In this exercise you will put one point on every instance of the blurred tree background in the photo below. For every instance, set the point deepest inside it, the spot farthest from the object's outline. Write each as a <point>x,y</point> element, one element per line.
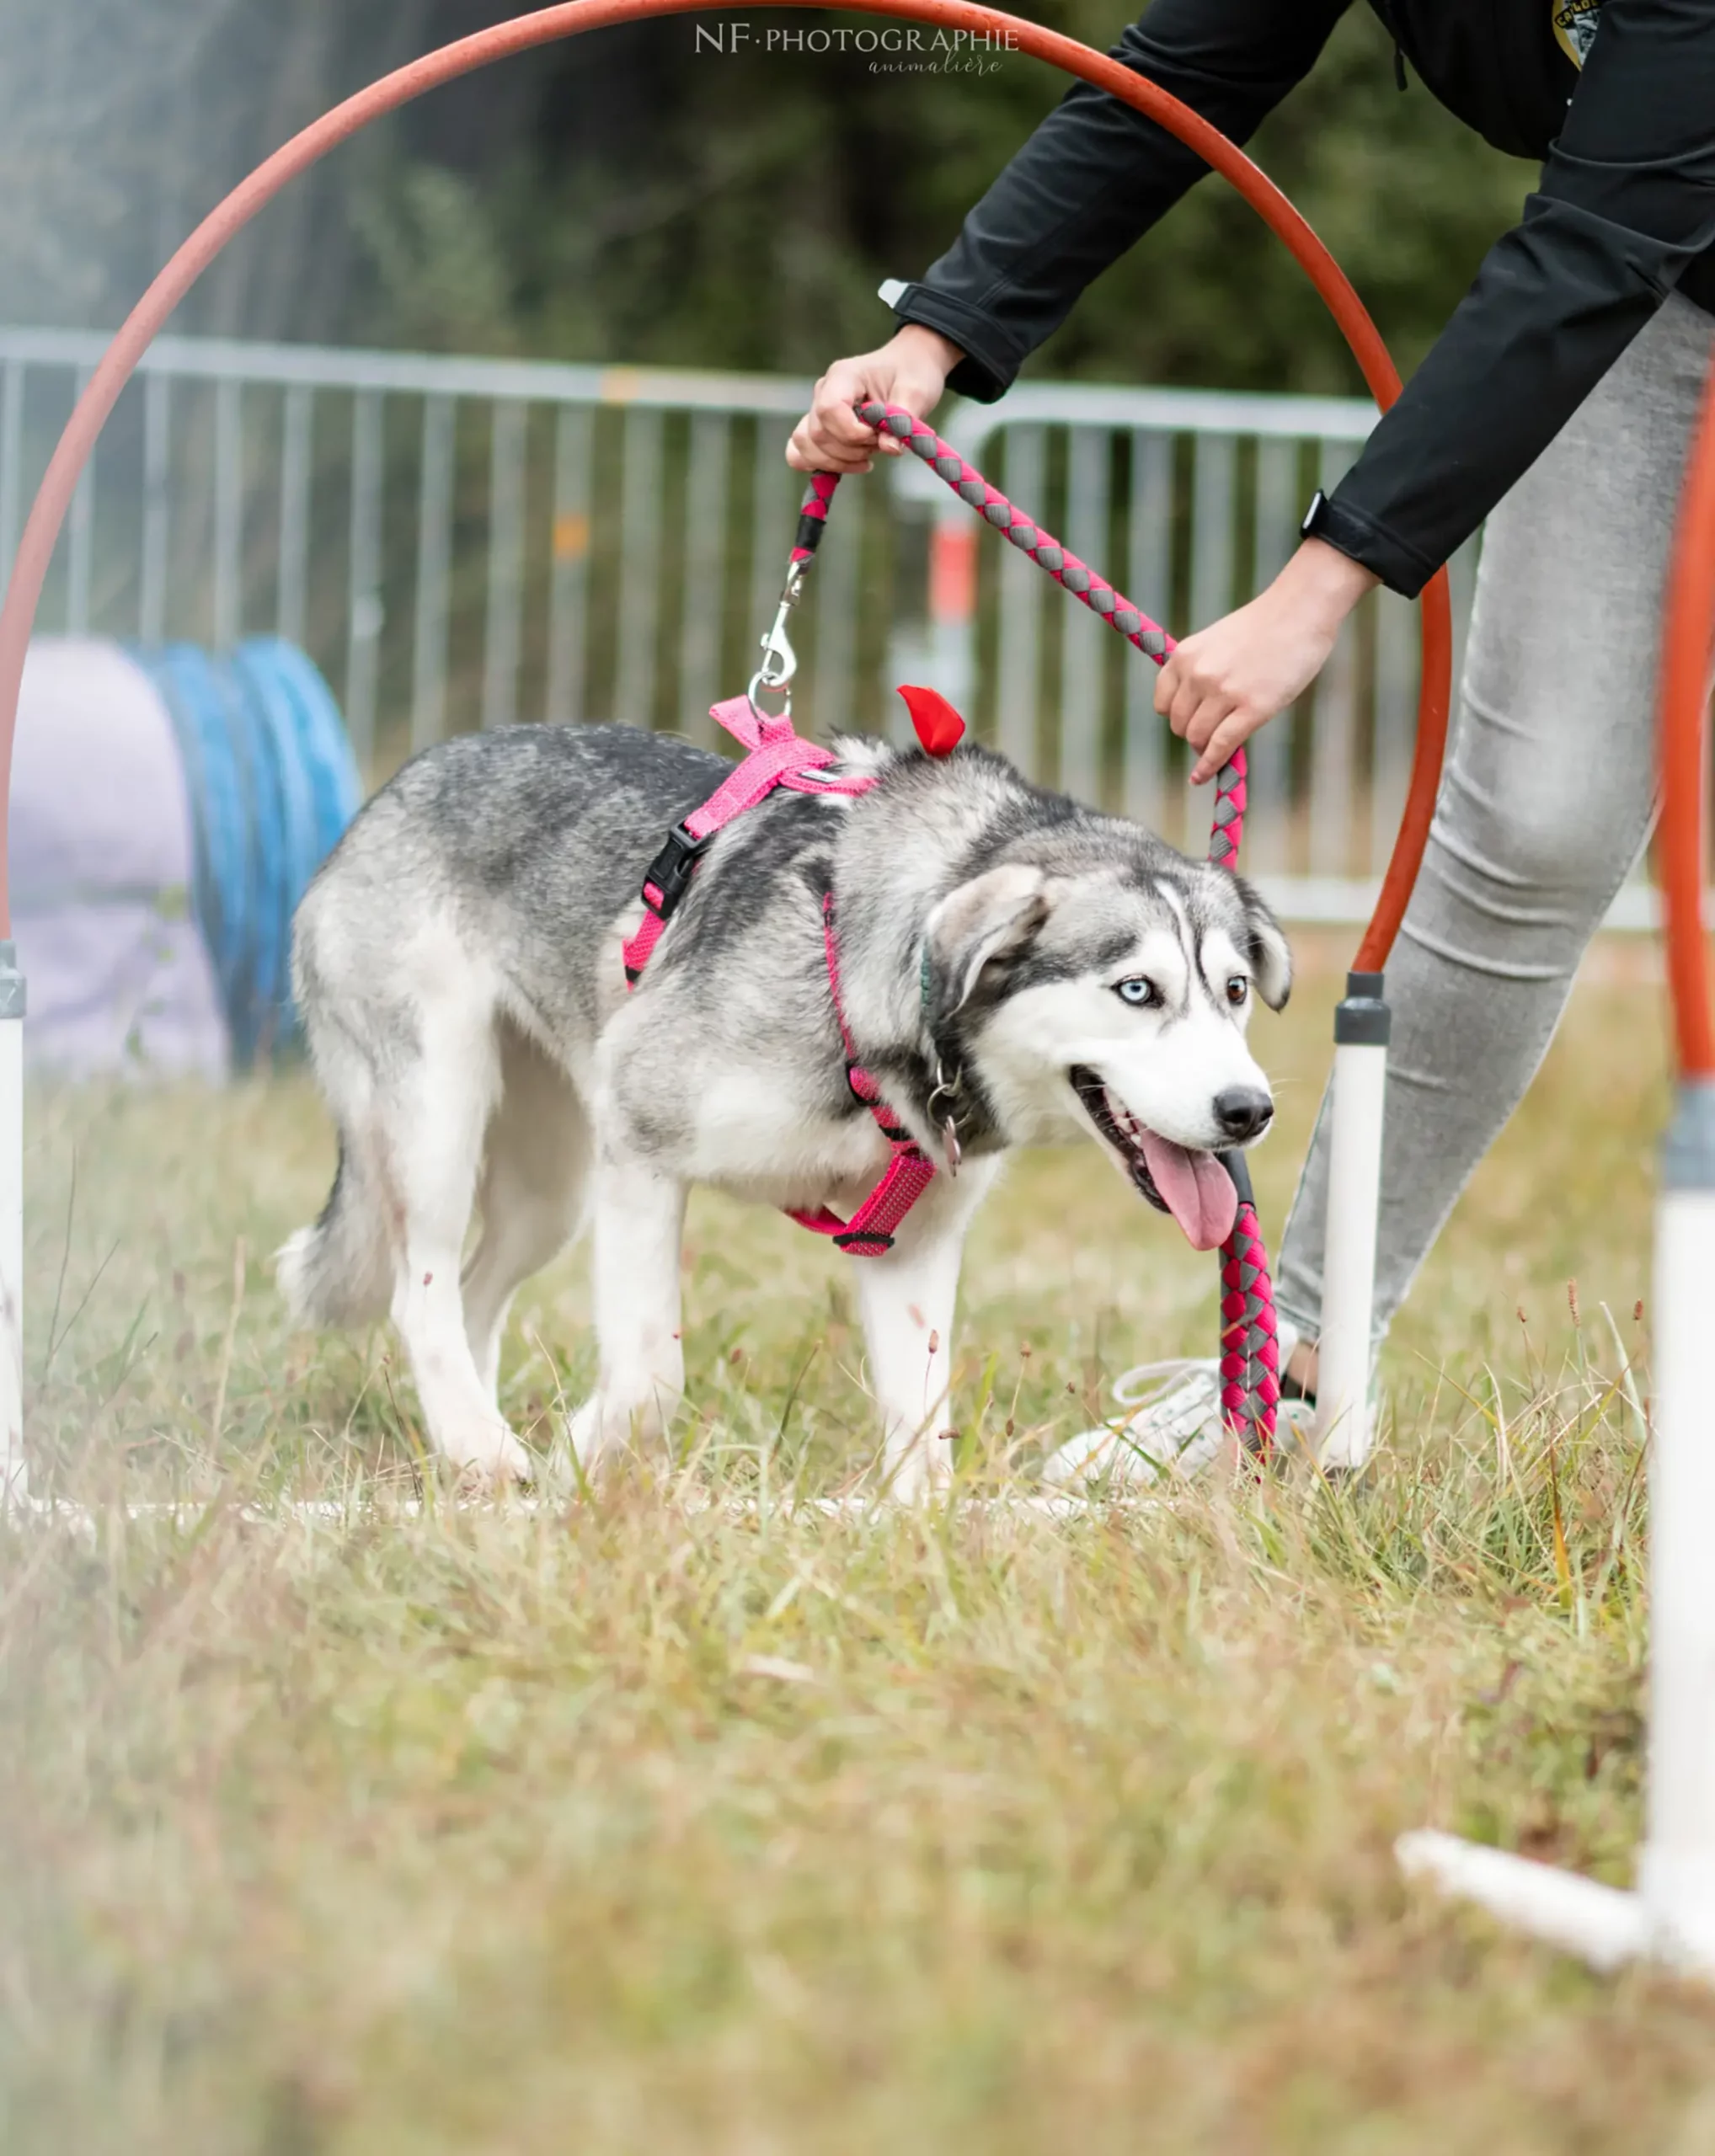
<point>629,197</point>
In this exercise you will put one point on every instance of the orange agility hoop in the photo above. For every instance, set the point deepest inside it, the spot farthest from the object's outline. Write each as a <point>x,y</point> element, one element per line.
<point>1687,635</point>
<point>547,26</point>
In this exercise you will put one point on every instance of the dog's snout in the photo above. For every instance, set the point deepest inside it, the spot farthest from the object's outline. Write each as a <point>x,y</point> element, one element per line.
<point>1242,1111</point>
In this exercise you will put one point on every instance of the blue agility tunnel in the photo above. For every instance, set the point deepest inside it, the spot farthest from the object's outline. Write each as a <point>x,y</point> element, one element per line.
<point>168,808</point>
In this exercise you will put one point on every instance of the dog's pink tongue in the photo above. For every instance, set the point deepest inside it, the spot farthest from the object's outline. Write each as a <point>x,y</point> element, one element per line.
<point>1197,1190</point>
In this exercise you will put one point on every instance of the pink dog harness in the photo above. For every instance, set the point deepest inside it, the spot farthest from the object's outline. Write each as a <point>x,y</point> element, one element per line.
<point>779,757</point>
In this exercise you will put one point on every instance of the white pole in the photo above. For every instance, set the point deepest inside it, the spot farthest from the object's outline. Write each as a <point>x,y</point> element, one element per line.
<point>1361,1026</point>
<point>1604,1925</point>
<point>14,1483</point>
<point>1676,1874</point>
<point>1672,1915</point>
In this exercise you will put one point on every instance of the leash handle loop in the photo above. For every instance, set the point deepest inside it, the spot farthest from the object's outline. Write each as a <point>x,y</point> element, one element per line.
<point>1085,585</point>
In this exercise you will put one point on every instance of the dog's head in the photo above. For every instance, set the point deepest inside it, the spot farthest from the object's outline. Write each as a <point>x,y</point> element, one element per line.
<point>1104,988</point>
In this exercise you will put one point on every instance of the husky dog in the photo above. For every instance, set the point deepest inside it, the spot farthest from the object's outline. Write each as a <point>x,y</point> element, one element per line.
<point>1015,970</point>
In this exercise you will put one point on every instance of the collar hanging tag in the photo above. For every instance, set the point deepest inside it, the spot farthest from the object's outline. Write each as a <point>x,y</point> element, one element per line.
<point>950,1151</point>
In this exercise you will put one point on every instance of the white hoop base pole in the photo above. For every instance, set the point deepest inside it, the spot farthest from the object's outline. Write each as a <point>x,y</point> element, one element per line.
<point>1362,1028</point>
<point>1676,1873</point>
<point>1603,1924</point>
<point>1671,1916</point>
<point>15,1481</point>
<point>13,1473</point>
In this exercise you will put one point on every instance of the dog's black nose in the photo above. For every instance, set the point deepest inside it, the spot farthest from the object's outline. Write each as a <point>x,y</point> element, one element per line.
<point>1241,1111</point>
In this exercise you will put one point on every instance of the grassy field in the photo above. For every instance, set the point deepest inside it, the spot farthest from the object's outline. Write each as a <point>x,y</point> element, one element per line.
<point>658,1825</point>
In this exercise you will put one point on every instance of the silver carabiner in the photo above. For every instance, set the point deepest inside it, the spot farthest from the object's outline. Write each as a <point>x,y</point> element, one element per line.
<point>779,660</point>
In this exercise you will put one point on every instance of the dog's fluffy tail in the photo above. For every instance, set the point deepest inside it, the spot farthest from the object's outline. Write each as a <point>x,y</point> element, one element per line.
<point>339,1272</point>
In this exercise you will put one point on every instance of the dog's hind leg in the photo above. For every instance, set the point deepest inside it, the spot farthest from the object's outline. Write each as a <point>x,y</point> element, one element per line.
<point>437,1109</point>
<point>907,1298</point>
<point>639,1220</point>
<point>535,1166</point>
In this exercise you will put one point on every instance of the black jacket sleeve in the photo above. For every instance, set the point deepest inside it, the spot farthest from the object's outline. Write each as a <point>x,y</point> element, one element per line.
<point>1627,202</point>
<point>1097,175</point>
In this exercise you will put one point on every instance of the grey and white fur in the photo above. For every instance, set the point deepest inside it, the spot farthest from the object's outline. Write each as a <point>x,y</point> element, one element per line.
<point>1056,973</point>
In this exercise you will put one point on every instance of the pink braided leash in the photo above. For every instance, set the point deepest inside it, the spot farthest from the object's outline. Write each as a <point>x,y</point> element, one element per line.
<point>1250,1346</point>
<point>1085,584</point>
<point>1250,1355</point>
<point>813,513</point>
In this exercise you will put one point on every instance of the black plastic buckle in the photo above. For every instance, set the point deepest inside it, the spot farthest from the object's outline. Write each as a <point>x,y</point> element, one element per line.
<point>863,1242</point>
<point>670,870</point>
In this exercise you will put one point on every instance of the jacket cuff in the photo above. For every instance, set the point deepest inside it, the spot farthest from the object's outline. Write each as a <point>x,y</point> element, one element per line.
<point>990,366</point>
<point>1338,522</point>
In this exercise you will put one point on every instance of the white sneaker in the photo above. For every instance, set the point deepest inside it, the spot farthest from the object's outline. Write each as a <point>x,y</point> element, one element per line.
<point>1175,1428</point>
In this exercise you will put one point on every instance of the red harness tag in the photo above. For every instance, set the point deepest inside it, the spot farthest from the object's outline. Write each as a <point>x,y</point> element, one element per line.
<point>939,726</point>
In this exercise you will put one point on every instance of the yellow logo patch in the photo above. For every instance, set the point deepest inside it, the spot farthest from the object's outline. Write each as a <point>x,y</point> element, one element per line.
<point>1575,26</point>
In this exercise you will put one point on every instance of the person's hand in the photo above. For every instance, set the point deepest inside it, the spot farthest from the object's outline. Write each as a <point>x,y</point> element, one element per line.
<point>910,369</point>
<point>1224,683</point>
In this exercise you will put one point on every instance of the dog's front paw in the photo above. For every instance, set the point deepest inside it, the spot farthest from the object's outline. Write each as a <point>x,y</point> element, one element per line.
<point>585,1438</point>
<point>605,1428</point>
<point>921,1471</point>
<point>489,1459</point>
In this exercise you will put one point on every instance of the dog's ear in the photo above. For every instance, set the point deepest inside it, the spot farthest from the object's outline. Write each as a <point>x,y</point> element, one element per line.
<point>1268,950</point>
<point>993,916</point>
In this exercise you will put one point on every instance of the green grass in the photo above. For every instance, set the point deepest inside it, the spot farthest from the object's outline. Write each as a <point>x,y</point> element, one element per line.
<point>652,1824</point>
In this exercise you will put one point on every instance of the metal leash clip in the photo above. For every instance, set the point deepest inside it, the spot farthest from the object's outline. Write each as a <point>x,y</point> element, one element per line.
<point>779,660</point>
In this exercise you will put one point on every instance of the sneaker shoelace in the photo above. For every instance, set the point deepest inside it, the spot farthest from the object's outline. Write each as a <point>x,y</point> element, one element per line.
<point>1147,1383</point>
<point>1152,1386</point>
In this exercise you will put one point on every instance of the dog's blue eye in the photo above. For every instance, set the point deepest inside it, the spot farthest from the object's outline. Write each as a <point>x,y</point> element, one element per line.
<point>1137,990</point>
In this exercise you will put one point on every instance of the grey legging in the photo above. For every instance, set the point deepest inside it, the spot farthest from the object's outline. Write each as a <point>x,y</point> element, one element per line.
<point>1545,805</point>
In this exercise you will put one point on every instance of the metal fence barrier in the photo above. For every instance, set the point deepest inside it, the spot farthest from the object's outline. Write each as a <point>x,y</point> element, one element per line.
<point>466,541</point>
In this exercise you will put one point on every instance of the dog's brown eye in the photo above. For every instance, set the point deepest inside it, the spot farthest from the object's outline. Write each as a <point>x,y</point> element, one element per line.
<point>1138,992</point>
<point>1236,991</point>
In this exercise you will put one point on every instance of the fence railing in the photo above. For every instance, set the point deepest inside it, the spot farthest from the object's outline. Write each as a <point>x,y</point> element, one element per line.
<point>467,541</point>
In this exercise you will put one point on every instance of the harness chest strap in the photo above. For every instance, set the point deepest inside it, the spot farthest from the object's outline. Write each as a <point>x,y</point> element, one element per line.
<point>780,757</point>
<point>908,1172</point>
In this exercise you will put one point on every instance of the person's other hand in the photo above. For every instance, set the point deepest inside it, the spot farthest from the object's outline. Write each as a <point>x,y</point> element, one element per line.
<point>1224,683</point>
<point>910,369</point>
